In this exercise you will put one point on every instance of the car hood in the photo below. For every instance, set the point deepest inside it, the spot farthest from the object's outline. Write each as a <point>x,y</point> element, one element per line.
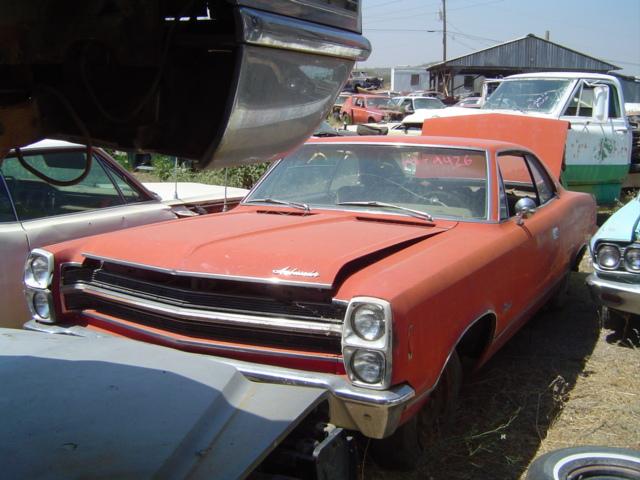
<point>622,226</point>
<point>274,245</point>
<point>107,407</point>
<point>545,137</point>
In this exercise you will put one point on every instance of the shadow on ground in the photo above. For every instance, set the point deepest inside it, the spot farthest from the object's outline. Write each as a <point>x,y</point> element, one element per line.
<point>506,408</point>
<point>625,329</point>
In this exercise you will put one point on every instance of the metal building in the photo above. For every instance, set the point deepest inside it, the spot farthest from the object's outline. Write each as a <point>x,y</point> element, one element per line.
<point>407,79</point>
<point>523,55</point>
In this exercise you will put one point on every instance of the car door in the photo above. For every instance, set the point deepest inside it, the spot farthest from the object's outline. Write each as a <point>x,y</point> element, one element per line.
<point>598,147</point>
<point>359,110</point>
<point>13,251</point>
<point>534,261</point>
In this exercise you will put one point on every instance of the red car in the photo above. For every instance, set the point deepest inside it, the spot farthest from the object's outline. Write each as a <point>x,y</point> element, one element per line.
<point>369,109</point>
<point>372,267</point>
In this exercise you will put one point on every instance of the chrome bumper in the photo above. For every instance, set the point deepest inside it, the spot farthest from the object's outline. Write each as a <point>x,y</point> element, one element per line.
<point>375,413</point>
<point>616,295</point>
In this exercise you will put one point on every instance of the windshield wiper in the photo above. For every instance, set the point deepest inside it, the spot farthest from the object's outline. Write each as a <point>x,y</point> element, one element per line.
<point>300,205</point>
<point>410,211</point>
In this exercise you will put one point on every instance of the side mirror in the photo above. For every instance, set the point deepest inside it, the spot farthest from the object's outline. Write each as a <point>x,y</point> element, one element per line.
<point>601,103</point>
<point>525,207</point>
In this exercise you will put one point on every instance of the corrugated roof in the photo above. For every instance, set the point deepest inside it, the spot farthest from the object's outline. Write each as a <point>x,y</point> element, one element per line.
<point>527,53</point>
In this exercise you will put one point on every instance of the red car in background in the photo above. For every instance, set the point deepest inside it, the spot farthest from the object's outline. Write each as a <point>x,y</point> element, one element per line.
<point>369,109</point>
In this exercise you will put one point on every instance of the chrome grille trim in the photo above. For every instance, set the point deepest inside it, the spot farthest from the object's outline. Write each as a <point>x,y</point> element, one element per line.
<point>250,321</point>
<point>214,347</point>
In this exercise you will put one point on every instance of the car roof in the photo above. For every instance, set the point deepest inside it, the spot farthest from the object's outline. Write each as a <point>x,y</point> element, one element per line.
<point>437,141</point>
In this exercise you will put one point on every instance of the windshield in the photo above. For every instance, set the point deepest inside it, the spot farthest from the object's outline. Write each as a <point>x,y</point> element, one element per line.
<point>532,94</point>
<point>379,102</point>
<point>429,103</point>
<point>442,182</point>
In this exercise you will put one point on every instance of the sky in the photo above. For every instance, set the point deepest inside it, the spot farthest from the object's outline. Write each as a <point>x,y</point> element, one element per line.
<point>397,29</point>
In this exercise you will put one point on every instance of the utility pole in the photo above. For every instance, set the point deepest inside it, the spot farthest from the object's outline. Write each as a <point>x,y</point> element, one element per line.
<point>444,30</point>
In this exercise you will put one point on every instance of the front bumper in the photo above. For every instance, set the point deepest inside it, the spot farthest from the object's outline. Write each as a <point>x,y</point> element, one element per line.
<point>616,295</point>
<point>375,413</point>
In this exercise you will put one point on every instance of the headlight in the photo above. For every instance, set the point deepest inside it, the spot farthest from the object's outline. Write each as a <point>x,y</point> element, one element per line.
<point>368,321</point>
<point>608,256</point>
<point>368,366</point>
<point>41,305</point>
<point>367,343</point>
<point>632,259</point>
<point>38,269</point>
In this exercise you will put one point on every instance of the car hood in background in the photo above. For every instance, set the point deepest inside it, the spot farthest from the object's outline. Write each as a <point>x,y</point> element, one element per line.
<point>107,407</point>
<point>622,226</point>
<point>545,137</point>
<point>270,245</point>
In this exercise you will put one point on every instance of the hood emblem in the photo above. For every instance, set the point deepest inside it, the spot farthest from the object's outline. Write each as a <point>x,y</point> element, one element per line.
<point>294,272</point>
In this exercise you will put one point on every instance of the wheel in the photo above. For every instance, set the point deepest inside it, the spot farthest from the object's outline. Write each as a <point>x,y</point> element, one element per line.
<point>405,448</point>
<point>371,120</point>
<point>346,119</point>
<point>586,462</point>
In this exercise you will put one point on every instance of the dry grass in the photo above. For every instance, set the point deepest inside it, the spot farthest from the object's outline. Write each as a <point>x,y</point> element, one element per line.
<point>563,380</point>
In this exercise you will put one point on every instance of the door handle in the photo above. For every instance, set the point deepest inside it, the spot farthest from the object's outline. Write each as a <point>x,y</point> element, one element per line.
<point>621,130</point>
<point>555,233</point>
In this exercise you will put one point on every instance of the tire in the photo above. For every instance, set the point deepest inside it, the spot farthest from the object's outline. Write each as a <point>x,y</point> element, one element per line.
<point>346,119</point>
<point>585,463</point>
<point>371,120</point>
<point>405,448</point>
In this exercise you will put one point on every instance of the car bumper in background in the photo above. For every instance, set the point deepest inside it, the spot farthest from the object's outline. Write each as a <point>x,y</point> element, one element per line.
<point>616,295</point>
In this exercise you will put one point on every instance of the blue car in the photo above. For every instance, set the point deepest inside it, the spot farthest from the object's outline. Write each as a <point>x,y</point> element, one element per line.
<point>615,250</point>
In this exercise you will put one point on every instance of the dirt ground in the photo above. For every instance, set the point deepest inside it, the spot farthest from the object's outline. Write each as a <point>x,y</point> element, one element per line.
<point>564,380</point>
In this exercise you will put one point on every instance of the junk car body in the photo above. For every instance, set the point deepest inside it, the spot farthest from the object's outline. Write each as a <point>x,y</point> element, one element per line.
<point>369,109</point>
<point>364,265</point>
<point>615,251</point>
<point>121,409</point>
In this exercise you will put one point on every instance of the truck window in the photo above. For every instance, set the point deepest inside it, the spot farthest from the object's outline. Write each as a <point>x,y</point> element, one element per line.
<point>614,104</point>
<point>581,105</point>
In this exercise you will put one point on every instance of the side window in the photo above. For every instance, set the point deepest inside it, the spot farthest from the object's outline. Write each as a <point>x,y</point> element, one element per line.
<point>6,211</point>
<point>614,104</point>
<point>34,198</point>
<point>544,185</point>
<point>130,192</point>
<point>522,176</point>
<point>581,105</point>
<point>359,102</point>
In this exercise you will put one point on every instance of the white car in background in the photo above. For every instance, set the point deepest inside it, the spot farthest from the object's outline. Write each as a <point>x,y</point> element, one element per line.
<point>49,194</point>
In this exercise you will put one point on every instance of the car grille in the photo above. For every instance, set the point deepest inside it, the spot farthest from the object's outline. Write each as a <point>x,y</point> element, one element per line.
<point>317,319</point>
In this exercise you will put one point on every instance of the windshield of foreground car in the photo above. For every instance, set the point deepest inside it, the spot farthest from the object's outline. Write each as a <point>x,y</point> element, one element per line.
<point>528,95</point>
<point>386,178</point>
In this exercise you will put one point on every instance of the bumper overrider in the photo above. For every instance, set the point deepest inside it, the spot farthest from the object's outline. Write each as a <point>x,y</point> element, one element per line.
<point>362,400</point>
<point>620,296</point>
